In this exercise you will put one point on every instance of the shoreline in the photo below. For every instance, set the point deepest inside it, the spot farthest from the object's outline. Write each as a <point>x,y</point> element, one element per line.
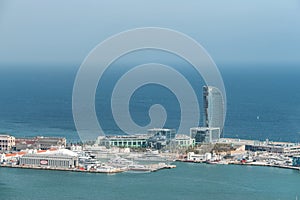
<point>154,170</point>
<point>245,164</point>
<point>267,165</point>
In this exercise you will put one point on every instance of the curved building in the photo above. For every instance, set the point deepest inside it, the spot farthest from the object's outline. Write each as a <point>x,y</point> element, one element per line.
<point>213,108</point>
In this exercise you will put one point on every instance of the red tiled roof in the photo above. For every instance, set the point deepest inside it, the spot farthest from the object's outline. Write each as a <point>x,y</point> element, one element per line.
<point>15,154</point>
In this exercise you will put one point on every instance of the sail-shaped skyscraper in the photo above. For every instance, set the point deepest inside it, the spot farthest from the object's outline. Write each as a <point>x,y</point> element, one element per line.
<point>214,109</point>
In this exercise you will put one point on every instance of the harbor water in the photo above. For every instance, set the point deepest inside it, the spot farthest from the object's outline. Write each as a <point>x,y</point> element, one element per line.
<point>37,102</point>
<point>187,181</point>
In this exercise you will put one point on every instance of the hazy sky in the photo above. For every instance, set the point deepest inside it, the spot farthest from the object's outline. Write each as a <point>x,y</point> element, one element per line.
<point>56,31</point>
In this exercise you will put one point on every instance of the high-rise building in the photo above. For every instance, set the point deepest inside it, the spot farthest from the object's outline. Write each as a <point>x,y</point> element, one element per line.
<point>214,109</point>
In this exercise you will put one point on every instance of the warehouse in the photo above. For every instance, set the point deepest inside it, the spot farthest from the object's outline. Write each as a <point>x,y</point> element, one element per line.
<point>51,160</point>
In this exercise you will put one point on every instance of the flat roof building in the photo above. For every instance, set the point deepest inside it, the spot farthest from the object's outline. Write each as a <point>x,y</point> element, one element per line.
<point>133,141</point>
<point>50,142</point>
<point>58,160</point>
<point>43,143</point>
<point>184,141</point>
<point>205,134</point>
<point>6,142</point>
<point>164,133</point>
<point>161,137</point>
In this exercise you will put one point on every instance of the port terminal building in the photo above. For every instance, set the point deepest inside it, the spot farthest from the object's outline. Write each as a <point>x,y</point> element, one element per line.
<point>156,138</point>
<point>58,159</point>
<point>132,141</point>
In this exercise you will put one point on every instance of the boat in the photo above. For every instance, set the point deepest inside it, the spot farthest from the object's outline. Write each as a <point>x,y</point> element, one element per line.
<point>141,168</point>
<point>108,169</point>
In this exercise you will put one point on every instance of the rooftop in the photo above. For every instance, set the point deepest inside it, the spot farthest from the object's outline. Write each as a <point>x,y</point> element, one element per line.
<point>182,136</point>
<point>204,128</point>
<point>2,135</point>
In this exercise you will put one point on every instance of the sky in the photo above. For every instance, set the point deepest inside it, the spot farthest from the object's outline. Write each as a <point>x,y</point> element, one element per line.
<point>233,32</point>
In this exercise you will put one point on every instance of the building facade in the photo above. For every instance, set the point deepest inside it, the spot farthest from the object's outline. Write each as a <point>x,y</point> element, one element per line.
<point>43,143</point>
<point>160,137</point>
<point>296,161</point>
<point>184,141</point>
<point>167,134</point>
<point>205,134</point>
<point>267,148</point>
<point>6,142</point>
<point>214,108</point>
<point>50,142</point>
<point>132,141</point>
<point>51,160</point>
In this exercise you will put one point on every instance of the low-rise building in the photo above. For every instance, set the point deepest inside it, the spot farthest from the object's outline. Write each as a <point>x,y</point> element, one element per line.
<point>267,148</point>
<point>292,150</point>
<point>163,133</point>
<point>275,147</point>
<point>205,134</point>
<point>182,140</point>
<point>43,143</point>
<point>161,137</point>
<point>6,142</point>
<point>65,159</point>
<point>191,156</point>
<point>11,157</point>
<point>50,142</point>
<point>132,141</point>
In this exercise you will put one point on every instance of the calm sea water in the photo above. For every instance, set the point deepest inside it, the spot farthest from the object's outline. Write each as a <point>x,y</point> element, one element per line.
<point>187,181</point>
<point>38,101</point>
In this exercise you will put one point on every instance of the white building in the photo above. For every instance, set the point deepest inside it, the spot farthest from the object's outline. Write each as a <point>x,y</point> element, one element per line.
<point>61,158</point>
<point>132,141</point>
<point>182,140</point>
<point>6,142</point>
<point>191,156</point>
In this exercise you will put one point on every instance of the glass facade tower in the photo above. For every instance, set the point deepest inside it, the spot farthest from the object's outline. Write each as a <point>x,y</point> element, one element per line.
<point>213,107</point>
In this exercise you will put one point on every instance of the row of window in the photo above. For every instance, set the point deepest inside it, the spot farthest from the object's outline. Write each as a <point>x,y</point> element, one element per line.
<point>6,141</point>
<point>143,143</point>
<point>128,143</point>
<point>47,162</point>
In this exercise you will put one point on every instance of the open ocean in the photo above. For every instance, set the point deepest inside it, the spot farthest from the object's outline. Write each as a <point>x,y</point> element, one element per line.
<point>38,101</point>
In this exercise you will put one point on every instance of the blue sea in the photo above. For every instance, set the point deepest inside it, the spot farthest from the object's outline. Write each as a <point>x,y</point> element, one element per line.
<point>37,100</point>
<point>187,181</point>
<point>263,101</point>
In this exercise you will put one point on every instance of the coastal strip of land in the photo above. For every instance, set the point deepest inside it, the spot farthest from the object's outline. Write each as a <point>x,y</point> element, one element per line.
<point>56,154</point>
